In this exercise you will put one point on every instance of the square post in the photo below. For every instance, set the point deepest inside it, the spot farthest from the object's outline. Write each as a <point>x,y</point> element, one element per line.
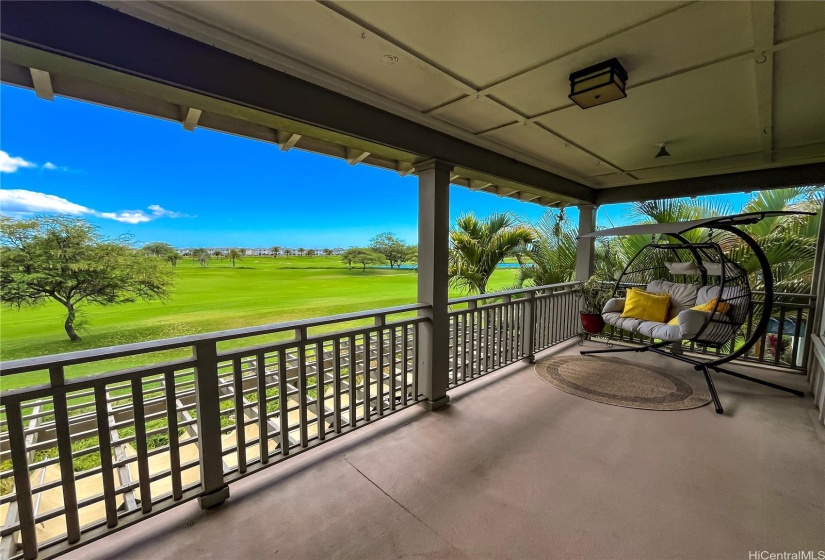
<point>215,490</point>
<point>585,250</point>
<point>433,279</point>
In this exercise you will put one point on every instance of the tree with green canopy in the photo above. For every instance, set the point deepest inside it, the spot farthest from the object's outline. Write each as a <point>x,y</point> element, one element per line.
<point>362,256</point>
<point>66,260</point>
<point>393,249</point>
<point>276,250</point>
<point>477,246</point>
<point>162,250</point>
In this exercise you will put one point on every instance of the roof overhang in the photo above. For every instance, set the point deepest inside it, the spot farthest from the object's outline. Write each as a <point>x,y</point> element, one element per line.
<point>94,53</point>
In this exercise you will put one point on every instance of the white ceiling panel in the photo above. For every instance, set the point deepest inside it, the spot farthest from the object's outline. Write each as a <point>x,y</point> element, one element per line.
<point>483,42</point>
<point>477,114</point>
<point>690,37</point>
<point>799,93</point>
<point>317,36</point>
<point>701,117</point>
<point>534,141</point>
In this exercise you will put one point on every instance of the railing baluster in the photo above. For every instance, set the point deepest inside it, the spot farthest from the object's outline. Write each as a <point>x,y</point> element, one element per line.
<point>453,373</point>
<point>415,362</point>
<point>779,332</point>
<point>283,402</point>
<point>352,385</point>
<point>366,375</point>
<point>302,387</point>
<point>263,420</point>
<point>105,445</point>
<point>405,356</point>
<point>174,439</point>
<point>64,449</point>
<point>240,430</point>
<point>320,404</point>
<point>141,447</point>
<point>379,340</point>
<point>336,382</point>
<point>22,483</point>
<point>795,346</point>
<point>392,368</point>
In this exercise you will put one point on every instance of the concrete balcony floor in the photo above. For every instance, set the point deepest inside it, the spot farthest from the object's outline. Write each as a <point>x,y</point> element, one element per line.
<point>514,468</point>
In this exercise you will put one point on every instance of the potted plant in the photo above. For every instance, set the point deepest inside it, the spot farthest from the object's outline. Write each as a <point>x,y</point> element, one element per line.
<point>592,297</point>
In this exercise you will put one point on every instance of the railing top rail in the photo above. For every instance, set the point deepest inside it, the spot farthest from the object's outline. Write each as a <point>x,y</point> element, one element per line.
<point>785,294</point>
<point>517,291</point>
<point>97,354</point>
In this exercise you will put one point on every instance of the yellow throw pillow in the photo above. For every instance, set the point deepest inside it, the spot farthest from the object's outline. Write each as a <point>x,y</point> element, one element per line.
<point>707,308</point>
<point>646,306</point>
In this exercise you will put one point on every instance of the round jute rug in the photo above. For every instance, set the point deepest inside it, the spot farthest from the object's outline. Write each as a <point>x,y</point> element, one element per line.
<point>623,383</point>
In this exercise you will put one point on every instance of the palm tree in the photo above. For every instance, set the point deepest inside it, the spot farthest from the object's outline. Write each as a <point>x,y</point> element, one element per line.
<point>217,253</point>
<point>301,251</point>
<point>478,246</point>
<point>201,255</point>
<point>234,254</point>
<point>552,253</point>
<point>327,252</point>
<point>275,251</point>
<point>288,252</point>
<point>311,252</point>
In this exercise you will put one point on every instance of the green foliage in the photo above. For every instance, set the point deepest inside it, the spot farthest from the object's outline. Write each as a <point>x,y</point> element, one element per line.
<point>66,260</point>
<point>393,249</point>
<point>552,253</point>
<point>478,246</point>
<point>362,256</point>
<point>592,294</point>
<point>234,255</point>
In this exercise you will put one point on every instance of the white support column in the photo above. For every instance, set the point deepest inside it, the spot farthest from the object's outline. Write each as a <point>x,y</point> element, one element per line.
<point>433,256</point>
<point>585,251</point>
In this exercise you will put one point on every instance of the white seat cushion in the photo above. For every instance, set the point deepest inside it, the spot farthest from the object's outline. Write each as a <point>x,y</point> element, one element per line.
<point>682,296</point>
<point>626,323</point>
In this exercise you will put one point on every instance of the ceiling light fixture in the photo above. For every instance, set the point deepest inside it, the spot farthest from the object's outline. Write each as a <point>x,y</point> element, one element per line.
<point>598,84</point>
<point>662,151</point>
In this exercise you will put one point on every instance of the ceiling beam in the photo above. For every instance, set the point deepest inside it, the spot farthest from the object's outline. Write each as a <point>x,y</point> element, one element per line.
<point>286,140</point>
<point>354,157</point>
<point>762,17</point>
<point>404,168</point>
<point>743,181</point>
<point>476,185</point>
<point>179,62</point>
<point>528,197</point>
<point>504,191</point>
<point>190,120</point>
<point>42,84</point>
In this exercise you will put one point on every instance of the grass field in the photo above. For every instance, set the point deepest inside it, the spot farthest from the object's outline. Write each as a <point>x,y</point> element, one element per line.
<point>258,291</point>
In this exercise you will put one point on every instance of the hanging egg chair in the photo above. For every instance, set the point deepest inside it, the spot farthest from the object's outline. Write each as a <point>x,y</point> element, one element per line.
<point>684,292</point>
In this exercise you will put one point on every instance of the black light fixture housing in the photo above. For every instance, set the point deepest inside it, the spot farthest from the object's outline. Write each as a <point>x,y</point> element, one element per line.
<point>598,84</point>
<point>663,153</point>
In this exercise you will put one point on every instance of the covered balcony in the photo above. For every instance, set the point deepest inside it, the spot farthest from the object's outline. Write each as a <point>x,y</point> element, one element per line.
<point>212,442</point>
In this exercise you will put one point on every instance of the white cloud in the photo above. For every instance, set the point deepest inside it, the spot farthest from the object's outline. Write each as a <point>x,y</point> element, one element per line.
<point>128,216</point>
<point>20,201</point>
<point>50,166</point>
<point>160,212</point>
<point>28,202</point>
<point>10,164</point>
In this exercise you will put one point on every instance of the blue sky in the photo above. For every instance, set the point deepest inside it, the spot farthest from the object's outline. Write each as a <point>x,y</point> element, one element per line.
<point>128,173</point>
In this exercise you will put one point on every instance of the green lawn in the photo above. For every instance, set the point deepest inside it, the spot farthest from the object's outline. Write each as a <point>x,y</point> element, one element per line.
<point>258,291</point>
